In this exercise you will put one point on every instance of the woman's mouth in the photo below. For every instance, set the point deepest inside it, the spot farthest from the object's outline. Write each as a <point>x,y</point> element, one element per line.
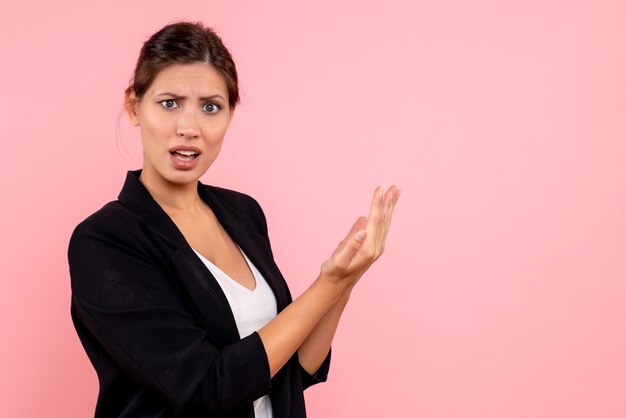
<point>184,158</point>
<point>184,155</point>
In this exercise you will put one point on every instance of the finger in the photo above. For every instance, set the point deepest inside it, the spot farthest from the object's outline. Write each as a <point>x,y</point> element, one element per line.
<point>359,224</point>
<point>391,198</point>
<point>350,245</point>
<point>375,217</point>
<point>369,250</point>
<point>386,209</point>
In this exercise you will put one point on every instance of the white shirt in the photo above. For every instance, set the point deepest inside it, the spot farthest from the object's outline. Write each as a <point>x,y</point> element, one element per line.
<point>252,310</point>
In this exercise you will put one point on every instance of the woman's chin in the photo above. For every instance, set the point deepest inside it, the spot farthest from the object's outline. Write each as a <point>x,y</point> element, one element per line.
<point>182,177</point>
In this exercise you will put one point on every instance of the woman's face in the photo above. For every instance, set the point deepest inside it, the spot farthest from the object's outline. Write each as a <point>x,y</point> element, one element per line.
<point>183,118</point>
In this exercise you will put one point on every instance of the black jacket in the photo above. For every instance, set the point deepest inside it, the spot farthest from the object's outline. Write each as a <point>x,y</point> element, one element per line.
<point>157,326</point>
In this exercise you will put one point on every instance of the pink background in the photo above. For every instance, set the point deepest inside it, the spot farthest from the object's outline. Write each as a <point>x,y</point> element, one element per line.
<point>503,289</point>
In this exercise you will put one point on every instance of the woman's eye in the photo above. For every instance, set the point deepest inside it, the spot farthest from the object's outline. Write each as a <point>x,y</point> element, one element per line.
<point>210,107</point>
<point>169,103</point>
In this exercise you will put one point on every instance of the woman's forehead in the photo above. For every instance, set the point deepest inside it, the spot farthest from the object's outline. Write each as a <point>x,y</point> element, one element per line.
<point>197,79</point>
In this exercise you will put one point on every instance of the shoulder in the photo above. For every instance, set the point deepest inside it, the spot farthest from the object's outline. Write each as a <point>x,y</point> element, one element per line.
<point>112,218</point>
<point>112,229</point>
<point>112,254</point>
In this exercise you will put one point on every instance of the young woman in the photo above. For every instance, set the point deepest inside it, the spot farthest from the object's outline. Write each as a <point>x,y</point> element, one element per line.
<point>175,294</point>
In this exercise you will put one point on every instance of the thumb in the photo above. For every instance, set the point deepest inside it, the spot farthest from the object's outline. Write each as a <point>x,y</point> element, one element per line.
<point>348,247</point>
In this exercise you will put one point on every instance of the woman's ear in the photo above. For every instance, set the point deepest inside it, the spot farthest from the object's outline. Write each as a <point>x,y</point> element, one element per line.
<point>130,106</point>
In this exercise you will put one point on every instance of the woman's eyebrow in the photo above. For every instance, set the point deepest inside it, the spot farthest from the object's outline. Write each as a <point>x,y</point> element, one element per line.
<point>167,93</point>
<point>214,96</point>
<point>177,96</point>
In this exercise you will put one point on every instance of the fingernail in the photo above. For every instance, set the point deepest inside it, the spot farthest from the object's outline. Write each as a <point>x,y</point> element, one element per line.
<point>360,236</point>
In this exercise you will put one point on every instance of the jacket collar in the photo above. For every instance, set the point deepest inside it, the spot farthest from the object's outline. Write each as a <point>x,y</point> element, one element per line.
<point>138,199</point>
<point>135,197</point>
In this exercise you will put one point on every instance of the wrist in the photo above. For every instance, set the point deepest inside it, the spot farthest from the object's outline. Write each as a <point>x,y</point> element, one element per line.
<point>335,287</point>
<point>347,292</point>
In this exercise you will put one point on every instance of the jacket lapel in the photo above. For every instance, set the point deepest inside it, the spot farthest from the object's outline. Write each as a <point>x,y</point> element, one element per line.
<point>192,275</point>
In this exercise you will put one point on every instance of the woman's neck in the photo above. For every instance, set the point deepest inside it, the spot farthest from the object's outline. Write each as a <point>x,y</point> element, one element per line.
<point>172,197</point>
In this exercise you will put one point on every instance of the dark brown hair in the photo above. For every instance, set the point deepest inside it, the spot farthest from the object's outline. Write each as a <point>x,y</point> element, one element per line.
<point>184,43</point>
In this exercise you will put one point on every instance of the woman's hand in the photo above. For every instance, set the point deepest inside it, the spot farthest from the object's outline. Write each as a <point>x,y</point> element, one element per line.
<point>364,243</point>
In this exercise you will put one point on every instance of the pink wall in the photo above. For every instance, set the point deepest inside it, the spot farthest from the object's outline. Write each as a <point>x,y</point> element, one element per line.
<point>503,291</point>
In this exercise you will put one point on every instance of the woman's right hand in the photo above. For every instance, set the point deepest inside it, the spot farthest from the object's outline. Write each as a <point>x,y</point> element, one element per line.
<point>365,242</point>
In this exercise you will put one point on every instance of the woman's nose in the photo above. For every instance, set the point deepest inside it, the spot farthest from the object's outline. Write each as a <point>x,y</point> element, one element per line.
<point>187,125</point>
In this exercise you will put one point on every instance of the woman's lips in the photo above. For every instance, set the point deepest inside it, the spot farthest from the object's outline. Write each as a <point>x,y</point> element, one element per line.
<point>184,159</point>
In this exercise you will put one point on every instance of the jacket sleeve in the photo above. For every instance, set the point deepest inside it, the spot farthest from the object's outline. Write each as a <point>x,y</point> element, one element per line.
<point>321,375</point>
<point>128,302</point>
